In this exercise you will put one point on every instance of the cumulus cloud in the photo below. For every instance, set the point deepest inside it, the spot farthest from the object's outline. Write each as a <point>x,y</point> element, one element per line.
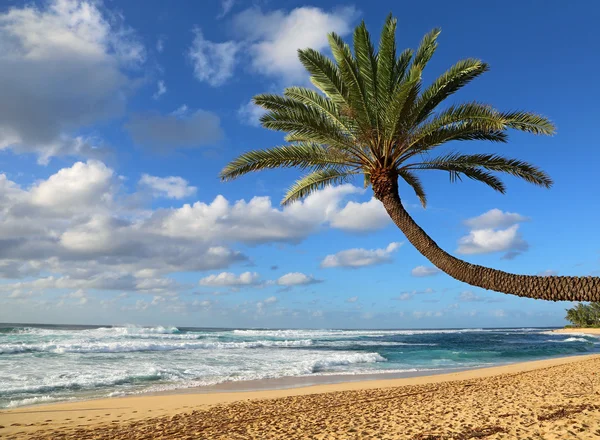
<point>270,300</point>
<point>296,279</point>
<point>352,299</point>
<point>359,217</point>
<point>423,271</point>
<point>180,129</point>
<point>82,185</point>
<point>172,187</point>
<point>274,37</point>
<point>270,40</point>
<point>77,229</point>
<point>257,220</point>
<point>361,257</point>
<point>64,42</point>
<point>494,219</point>
<point>228,279</point>
<point>213,62</point>
<point>487,235</point>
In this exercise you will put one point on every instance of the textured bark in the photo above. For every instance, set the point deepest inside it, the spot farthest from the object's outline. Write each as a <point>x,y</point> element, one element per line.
<point>553,288</point>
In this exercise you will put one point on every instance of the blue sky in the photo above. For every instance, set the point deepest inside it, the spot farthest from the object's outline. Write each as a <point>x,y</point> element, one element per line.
<point>116,117</point>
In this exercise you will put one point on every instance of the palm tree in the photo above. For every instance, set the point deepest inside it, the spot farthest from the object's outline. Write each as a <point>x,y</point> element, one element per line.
<point>374,117</point>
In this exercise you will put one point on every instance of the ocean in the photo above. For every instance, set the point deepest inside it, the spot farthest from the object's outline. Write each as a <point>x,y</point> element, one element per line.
<point>49,363</point>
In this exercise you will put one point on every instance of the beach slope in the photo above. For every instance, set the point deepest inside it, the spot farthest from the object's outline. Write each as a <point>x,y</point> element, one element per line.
<point>550,399</point>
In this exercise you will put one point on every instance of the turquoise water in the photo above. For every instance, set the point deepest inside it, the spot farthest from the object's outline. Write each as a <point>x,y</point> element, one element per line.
<point>52,363</point>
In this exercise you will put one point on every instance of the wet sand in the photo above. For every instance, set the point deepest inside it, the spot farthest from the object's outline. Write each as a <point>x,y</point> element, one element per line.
<point>549,399</point>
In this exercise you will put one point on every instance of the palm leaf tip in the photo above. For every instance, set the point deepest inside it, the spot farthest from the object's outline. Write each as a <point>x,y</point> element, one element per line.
<point>529,122</point>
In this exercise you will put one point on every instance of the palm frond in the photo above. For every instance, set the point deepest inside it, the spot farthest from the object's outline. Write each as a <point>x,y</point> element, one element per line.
<point>490,162</point>
<point>465,131</point>
<point>401,67</point>
<point>308,123</point>
<point>358,101</point>
<point>386,59</point>
<point>303,155</point>
<point>457,171</point>
<point>426,48</point>
<point>325,75</point>
<point>313,182</point>
<point>416,185</point>
<point>366,62</point>
<point>323,105</point>
<point>397,109</point>
<point>529,122</point>
<point>448,83</point>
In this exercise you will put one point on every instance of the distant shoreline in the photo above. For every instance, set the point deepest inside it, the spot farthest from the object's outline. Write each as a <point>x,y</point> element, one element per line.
<point>584,331</point>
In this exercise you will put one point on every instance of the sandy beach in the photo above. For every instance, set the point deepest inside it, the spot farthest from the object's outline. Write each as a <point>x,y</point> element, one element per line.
<point>549,399</point>
<point>578,331</point>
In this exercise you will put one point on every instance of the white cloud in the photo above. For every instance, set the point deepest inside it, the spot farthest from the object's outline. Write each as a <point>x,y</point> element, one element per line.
<point>66,42</point>
<point>548,273</point>
<point>160,44</point>
<point>84,184</point>
<point>270,300</point>
<point>499,313</point>
<point>226,6</point>
<point>405,296</point>
<point>358,217</point>
<point>494,219</point>
<point>171,187</point>
<point>352,299</point>
<point>468,296</point>
<point>361,257</point>
<point>250,114</point>
<point>213,62</point>
<point>427,314</point>
<point>161,89</point>
<point>296,279</point>
<point>423,271</point>
<point>255,221</point>
<point>276,36</point>
<point>485,241</point>
<point>81,229</point>
<point>494,231</point>
<point>228,279</point>
<point>180,129</point>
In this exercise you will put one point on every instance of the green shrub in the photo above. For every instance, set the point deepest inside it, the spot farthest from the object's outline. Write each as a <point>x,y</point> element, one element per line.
<point>584,315</point>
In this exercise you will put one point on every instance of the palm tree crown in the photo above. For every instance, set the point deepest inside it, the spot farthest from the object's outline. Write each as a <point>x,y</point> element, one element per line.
<point>373,116</point>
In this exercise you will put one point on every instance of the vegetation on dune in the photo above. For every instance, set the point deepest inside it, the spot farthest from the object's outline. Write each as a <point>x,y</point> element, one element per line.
<point>584,315</point>
<point>374,117</point>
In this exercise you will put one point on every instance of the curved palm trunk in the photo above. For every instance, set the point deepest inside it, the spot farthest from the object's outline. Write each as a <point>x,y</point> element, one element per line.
<point>554,288</point>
